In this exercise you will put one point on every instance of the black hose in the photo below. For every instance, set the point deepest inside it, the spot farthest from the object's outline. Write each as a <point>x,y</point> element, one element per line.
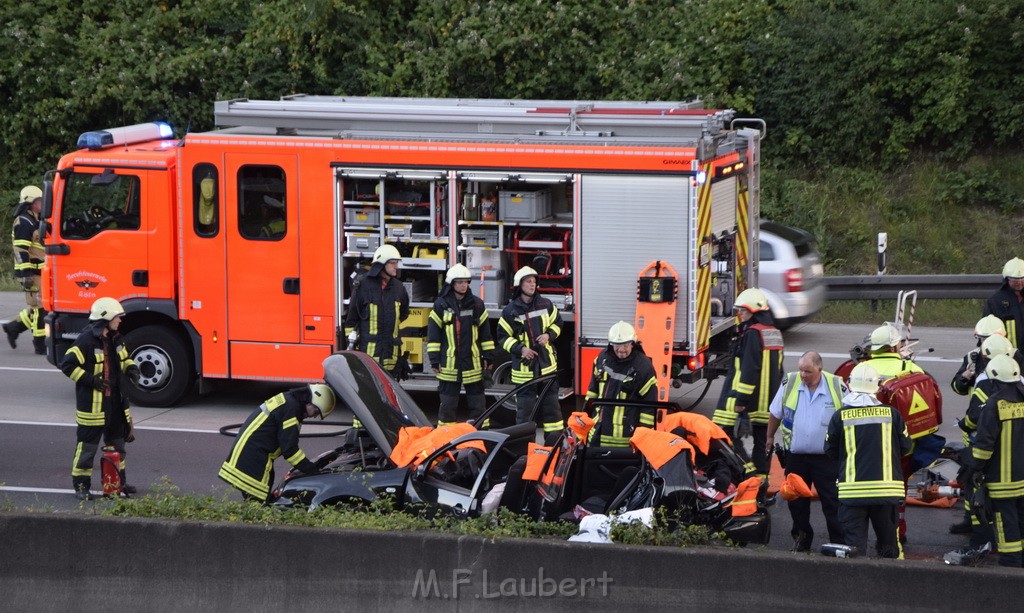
<point>232,430</point>
<point>707,386</point>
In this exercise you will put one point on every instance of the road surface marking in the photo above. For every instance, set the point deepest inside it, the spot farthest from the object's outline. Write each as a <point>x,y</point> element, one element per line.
<point>66,425</point>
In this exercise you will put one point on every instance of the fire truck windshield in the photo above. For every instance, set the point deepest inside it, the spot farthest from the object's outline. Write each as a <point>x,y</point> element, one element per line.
<point>92,206</point>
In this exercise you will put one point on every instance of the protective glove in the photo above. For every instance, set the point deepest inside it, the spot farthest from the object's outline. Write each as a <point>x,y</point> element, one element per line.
<point>99,384</point>
<point>353,336</point>
<point>133,373</point>
<point>306,467</point>
<point>130,436</point>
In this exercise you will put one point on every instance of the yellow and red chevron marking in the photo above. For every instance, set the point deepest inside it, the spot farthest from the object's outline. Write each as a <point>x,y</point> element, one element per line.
<point>742,241</point>
<point>703,327</point>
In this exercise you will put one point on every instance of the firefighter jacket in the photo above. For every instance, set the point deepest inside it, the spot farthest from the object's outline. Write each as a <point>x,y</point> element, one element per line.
<point>962,385</point>
<point>999,442</point>
<point>630,379</point>
<point>834,389</point>
<point>459,337</point>
<point>890,364</point>
<point>980,393</point>
<point>1005,305</point>
<point>520,325</point>
<point>269,432</point>
<point>868,439</point>
<point>28,246</point>
<point>375,311</point>
<point>91,359</point>
<point>755,373</point>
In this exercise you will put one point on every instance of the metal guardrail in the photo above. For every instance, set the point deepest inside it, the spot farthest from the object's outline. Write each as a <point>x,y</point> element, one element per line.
<point>885,287</point>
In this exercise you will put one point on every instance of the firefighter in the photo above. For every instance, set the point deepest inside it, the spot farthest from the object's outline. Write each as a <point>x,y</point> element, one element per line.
<point>528,326</point>
<point>459,345</point>
<point>868,438</point>
<point>376,310</point>
<point>971,367</point>
<point>1008,302</point>
<point>998,457</point>
<point>622,371</point>
<point>28,266</point>
<point>99,365</point>
<point>754,376</point>
<point>271,431</point>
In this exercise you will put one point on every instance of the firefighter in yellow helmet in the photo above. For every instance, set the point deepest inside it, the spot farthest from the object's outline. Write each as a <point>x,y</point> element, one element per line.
<point>99,365</point>
<point>459,345</point>
<point>28,266</point>
<point>528,326</point>
<point>272,431</point>
<point>622,371</point>
<point>377,308</point>
<point>755,374</point>
<point>1008,302</point>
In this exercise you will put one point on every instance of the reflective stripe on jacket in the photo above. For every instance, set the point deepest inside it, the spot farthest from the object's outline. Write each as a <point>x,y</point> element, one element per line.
<point>520,325</point>
<point>755,373</point>
<point>459,337</point>
<point>84,362</point>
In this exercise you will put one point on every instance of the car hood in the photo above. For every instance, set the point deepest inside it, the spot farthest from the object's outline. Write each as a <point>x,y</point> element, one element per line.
<point>373,396</point>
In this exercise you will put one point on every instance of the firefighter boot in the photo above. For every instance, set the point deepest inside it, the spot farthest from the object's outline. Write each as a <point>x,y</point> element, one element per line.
<point>125,488</point>
<point>39,342</point>
<point>82,485</point>
<point>13,329</point>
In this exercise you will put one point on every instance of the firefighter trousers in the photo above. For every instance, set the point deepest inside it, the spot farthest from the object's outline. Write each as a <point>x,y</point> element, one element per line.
<point>1009,520</point>
<point>882,517</point>
<point>85,451</point>
<point>548,413</point>
<point>449,394</point>
<point>820,471</point>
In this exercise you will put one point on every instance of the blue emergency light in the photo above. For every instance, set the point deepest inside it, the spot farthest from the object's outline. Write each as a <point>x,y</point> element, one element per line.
<point>139,133</point>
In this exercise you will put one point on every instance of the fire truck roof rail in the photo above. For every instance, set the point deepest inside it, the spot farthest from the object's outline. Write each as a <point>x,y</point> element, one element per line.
<point>460,117</point>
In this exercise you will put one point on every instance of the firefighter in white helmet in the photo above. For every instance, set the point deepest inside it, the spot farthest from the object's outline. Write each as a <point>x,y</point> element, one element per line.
<point>973,364</point>
<point>459,345</point>
<point>272,431</point>
<point>527,329</point>
<point>99,365</point>
<point>755,373</point>
<point>28,266</point>
<point>1008,302</point>
<point>376,309</point>
<point>622,371</point>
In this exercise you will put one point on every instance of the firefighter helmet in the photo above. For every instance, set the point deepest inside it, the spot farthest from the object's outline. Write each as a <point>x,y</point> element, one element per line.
<point>621,332</point>
<point>864,378</point>
<point>996,345</point>
<point>989,325</point>
<point>386,253</point>
<point>323,397</point>
<point>30,193</point>
<point>1003,368</point>
<point>886,335</point>
<point>751,299</point>
<point>522,273</point>
<point>105,308</point>
<point>457,272</point>
<point>1013,269</point>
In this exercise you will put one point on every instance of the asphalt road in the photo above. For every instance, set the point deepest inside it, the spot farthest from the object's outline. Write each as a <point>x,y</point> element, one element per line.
<point>183,447</point>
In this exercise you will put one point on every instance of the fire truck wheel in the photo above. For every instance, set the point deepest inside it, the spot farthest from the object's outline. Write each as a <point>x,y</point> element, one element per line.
<point>163,363</point>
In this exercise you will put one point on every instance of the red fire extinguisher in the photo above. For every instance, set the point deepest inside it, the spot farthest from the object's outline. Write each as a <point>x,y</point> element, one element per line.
<point>110,463</point>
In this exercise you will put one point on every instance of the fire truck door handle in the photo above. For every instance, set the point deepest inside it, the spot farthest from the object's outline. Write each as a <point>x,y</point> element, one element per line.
<point>140,278</point>
<point>57,249</point>
<point>291,285</point>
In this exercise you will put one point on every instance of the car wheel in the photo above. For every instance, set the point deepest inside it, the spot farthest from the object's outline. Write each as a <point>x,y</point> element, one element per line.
<point>163,361</point>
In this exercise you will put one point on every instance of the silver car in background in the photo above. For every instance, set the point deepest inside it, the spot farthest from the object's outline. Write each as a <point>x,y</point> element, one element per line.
<point>791,273</point>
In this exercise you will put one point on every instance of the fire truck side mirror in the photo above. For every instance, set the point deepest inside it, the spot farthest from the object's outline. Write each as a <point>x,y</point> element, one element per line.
<point>47,211</point>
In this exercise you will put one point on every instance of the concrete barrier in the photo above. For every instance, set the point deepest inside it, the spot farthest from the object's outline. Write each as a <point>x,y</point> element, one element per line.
<point>55,562</point>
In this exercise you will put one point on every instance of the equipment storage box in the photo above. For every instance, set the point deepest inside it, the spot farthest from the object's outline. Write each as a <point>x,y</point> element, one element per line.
<point>480,238</point>
<point>362,216</point>
<point>361,242</point>
<point>524,206</point>
<point>401,230</point>
<point>492,290</point>
<point>478,259</point>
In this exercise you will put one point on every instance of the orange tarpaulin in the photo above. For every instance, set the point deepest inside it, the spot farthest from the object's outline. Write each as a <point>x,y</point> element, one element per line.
<point>536,456</point>
<point>580,423</point>
<point>660,447</point>
<point>795,487</point>
<point>703,429</point>
<point>416,443</point>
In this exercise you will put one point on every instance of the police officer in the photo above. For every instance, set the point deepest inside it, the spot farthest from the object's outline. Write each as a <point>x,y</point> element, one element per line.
<point>376,310</point>
<point>622,371</point>
<point>527,329</point>
<point>28,266</point>
<point>96,362</point>
<point>272,431</point>
<point>998,457</point>
<point>868,438</point>
<point>754,375</point>
<point>1007,303</point>
<point>459,345</point>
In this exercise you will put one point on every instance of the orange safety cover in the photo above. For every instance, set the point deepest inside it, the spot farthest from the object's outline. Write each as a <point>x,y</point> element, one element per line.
<point>580,423</point>
<point>420,442</point>
<point>795,487</point>
<point>918,399</point>
<point>536,457</point>
<point>745,502</point>
<point>703,429</point>
<point>660,447</point>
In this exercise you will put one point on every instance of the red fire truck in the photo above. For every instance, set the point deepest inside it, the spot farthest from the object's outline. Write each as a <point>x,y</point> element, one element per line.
<point>233,250</point>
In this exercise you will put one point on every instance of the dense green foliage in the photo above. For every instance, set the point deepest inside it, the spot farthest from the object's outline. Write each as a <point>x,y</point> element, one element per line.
<point>891,115</point>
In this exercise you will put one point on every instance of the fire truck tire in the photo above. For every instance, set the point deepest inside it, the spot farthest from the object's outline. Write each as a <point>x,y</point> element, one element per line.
<point>164,365</point>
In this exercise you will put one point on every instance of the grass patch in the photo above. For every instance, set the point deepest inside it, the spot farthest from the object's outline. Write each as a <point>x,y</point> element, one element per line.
<point>940,313</point>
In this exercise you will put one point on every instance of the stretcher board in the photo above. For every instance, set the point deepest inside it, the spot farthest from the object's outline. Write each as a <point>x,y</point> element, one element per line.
<point>656,295</point>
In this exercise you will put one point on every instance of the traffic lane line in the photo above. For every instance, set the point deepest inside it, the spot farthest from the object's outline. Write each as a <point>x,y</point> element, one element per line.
<point>839,356</point>
<point>65,425</point>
